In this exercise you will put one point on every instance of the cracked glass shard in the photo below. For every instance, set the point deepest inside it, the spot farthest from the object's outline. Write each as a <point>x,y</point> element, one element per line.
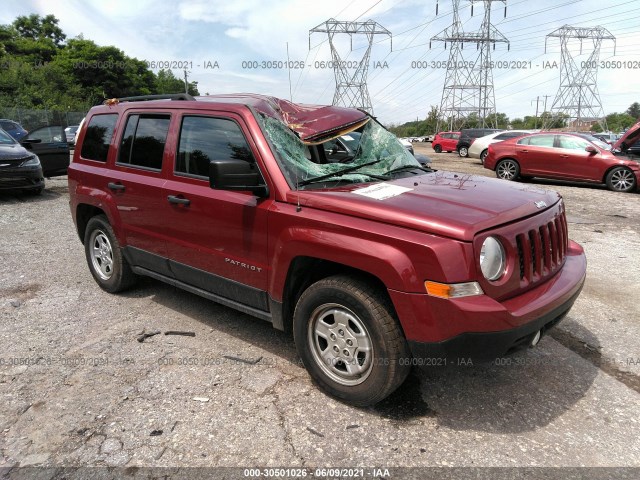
<point>296,158</point>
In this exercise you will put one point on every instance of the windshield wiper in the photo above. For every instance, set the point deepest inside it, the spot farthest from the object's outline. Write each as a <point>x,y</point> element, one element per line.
<point>409,167</point>
<point>338,173</point>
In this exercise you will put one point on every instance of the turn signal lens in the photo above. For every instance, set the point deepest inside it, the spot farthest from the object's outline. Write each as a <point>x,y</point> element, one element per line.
<point>453,290</point>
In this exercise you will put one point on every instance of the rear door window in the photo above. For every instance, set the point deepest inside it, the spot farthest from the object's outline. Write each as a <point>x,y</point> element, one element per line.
<point>542,141</point>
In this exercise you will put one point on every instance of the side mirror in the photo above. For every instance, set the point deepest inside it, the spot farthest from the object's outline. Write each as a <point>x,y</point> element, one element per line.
<point>27,142</point>
<point>591,149</point>
<point>235,174</point>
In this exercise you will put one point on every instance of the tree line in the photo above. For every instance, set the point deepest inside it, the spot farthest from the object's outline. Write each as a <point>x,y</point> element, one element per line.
<point>41,69</point>
<point>616,122</point>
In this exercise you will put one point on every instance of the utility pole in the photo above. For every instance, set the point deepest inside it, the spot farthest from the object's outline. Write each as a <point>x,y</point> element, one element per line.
<point>186,81</point>
<point>535,124</point>
<point>351,88</point>
<point>578,95</point>
<point>468,86</point>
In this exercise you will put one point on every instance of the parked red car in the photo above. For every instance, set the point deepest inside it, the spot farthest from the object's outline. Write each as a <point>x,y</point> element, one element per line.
<point>446,141</point>
<point>566,156</point>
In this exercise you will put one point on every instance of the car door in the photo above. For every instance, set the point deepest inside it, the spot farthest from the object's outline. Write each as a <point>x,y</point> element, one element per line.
<point>217,239</point>
<point>536,154</point>
<point>574,161</point>
<point>51,146</point>
<point>136,184</point>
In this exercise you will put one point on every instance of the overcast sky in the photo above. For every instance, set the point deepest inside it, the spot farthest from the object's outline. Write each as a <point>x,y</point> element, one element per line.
<point>202,32</point>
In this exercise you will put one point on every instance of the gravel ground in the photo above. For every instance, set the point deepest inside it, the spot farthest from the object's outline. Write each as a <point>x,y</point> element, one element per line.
<point>77,389</point>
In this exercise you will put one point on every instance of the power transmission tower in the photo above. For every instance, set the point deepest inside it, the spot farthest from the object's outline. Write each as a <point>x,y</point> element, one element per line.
<point>578,96</point>
<point>468,85</point>
<point>351,88</point>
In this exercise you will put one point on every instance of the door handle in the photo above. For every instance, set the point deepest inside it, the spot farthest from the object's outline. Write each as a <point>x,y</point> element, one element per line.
<point>115,186</point>
<point>564,156</point>
<point>524,151</point>
<point>178,200</point>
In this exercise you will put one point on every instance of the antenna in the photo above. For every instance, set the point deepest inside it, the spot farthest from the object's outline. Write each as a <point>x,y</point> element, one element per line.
<point>289,68</point>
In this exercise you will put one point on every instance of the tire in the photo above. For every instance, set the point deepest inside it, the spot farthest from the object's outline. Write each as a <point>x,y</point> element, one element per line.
<point>463,151</point>
<point>104,256</point>
<point>483,155</point>
<point>438,149</point>
<point>508,169</point>
<point>621,179</point>
<point>340,309</point>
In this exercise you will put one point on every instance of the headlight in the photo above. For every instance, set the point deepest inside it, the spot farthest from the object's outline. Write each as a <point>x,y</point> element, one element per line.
<point>492,259</point>
<point>32,161</point>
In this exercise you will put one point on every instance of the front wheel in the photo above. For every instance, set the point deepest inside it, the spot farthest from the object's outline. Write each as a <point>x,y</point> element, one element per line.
<point>508,169</point>
<point>349,340</point>
<point>463,151</point>
<point>438,149</point>
<point>104,256</point>
<point>621,179</point>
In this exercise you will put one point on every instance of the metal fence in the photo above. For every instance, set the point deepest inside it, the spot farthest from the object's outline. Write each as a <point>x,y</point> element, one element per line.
<point>32,119</point>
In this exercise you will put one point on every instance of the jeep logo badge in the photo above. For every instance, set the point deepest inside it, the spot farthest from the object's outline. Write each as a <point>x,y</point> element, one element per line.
<point>541,204</point>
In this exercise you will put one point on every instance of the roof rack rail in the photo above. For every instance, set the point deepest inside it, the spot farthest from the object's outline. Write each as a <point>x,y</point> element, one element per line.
<point>143,98</point>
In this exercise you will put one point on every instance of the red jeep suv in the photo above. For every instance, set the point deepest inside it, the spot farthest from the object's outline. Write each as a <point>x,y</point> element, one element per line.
<point>372,261</point>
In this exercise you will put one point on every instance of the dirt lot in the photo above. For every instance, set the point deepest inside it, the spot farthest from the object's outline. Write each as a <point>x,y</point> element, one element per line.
<point>78,389</point>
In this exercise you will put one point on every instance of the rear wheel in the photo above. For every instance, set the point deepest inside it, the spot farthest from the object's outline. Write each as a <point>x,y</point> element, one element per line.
<point>349,340</point>
<point>508,169</point>
<point>483,155</point>
<point>438,149</point>
<point>104,256</point>
<point>463,151</point>
<point>621,179</point>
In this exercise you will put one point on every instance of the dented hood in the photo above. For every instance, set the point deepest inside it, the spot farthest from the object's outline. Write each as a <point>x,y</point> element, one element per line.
<point>443,203</point>
<point>316,123</point>
<point>312,123</point>
<point>630,137</point>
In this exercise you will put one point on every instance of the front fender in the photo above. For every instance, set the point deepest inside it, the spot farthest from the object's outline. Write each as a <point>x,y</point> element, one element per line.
<point>393,267</point>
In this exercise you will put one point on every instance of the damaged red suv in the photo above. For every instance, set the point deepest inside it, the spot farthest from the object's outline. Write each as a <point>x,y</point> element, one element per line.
<point>372,261</point>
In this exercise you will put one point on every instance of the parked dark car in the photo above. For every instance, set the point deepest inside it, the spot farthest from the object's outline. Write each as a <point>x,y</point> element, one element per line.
<point>50,144</point>
<point>468,135</point>
<point>13,128</point>
<point>20,169</point>
<point>562,156</point>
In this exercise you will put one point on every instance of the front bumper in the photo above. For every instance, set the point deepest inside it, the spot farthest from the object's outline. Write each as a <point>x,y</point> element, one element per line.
<point>21,178</point>
<point>481,328</point>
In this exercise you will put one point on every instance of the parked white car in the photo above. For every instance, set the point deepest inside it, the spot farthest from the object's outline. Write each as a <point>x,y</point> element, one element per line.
<point>478,148</point>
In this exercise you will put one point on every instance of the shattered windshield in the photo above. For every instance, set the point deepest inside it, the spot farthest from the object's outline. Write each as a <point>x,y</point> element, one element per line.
<point>378,153</point>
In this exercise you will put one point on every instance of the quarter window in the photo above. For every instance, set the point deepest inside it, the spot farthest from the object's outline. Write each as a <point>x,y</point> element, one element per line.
<point>143,141</point>
<point>98,137</point>
<point>203,139</point>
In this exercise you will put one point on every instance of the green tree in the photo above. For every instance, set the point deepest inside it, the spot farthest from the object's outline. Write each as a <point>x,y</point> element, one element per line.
<point>634,110</point>
<point>167,82</point>
<point>39,28</point>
